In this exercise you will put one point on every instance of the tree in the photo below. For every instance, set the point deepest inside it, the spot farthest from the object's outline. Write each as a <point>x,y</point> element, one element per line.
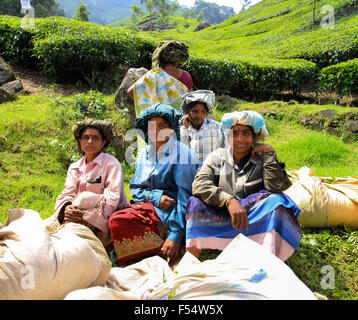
<point>186,16</point>
<point>150,4</point>
<point>212,12</point>
<point>166,9</point>
<point>43,8</point>
<point>82,13</point>
<point>136,13</point>
<point>314,13</point>
<point>200,16</point>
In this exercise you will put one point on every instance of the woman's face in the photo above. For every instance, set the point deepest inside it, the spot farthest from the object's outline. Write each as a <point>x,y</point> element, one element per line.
<point>159,130</point>
<point>241,138</point>
<point>197,114</point>
<point>91,141</point>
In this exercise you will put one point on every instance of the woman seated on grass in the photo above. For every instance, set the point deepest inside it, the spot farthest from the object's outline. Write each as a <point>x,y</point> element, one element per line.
<point>239,190</point>
<point>201,134</point>
<point>161,187</point>
<point>96,172</point>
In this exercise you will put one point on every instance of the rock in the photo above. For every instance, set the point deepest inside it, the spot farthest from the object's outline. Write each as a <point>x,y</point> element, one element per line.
<point>122,99</point>
<point>13,86</point>
<point>352,126</point>
<point>226,101</point>
<point>310,120</point>
<point>5,96</point>
<point>347,11</point>
<point>351,116</point>
<point>6,73</point>
<point>202,25</point>
<point>327,114</point>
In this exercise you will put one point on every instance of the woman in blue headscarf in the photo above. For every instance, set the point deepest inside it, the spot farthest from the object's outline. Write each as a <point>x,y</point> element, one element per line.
<point>161,187</point>
<point>239,190</point>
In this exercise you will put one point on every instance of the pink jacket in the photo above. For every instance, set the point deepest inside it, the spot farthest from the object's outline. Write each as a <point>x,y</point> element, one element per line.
<point>103,175</point>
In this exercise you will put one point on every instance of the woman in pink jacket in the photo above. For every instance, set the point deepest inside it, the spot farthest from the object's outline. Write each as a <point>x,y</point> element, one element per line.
<point>98,174</point>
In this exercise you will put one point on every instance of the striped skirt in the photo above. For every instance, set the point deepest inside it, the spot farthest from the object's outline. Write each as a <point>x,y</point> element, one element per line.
<point>272,223</point>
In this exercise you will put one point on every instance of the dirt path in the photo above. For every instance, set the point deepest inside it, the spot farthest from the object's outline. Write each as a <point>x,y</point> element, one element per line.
<point>35,83</point>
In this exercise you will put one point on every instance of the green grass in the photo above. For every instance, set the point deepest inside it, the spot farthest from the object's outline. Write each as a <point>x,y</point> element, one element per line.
<point>336,248</point>
<point>326,155</point>
<point>33,173</point>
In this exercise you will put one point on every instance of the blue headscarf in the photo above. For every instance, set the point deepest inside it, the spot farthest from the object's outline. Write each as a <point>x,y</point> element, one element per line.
<point>158,110</point>
<point>247,118</point>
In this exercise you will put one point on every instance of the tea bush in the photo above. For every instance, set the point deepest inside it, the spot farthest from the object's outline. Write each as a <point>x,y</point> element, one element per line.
<point>59,45</point>
<point>342,77</point>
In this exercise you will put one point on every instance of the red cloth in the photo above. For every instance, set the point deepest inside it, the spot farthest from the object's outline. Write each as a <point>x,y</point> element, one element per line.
<point>136,231</point>
<point>186,79</point>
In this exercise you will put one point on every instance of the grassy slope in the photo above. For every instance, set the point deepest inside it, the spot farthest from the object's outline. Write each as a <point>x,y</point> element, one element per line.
<point>272,31</point>
<point>32,177</point>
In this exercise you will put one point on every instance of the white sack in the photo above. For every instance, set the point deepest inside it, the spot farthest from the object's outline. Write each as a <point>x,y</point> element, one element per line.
<point>37,264</point>
<point>324,204</point>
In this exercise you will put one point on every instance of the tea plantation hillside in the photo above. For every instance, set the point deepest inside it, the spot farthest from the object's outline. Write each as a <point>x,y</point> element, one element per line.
<point>270,48</point>
<point>273,46</point>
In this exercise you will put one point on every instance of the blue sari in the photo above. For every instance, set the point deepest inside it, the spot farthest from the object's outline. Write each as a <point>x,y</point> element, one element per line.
<point>272,223</point>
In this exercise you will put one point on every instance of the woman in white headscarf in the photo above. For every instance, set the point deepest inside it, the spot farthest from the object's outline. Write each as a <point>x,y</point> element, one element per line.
<point>239,190</point>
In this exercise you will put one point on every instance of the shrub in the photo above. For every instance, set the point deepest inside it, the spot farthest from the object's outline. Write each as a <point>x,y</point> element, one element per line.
<point>92,50</point>
<point>16,43</point>
<point>250,76</point>
<point>61,45</point>
<point>342,77</point>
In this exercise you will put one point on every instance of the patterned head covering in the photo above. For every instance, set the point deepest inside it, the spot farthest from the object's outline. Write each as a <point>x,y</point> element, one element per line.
<point>158,110</point>
<point>105,127</point>
<point>170,51</point>
<point>206,97</point>
<point>247,118</point>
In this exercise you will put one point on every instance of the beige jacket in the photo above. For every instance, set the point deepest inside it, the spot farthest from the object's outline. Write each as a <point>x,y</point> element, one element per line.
<point>220,179</point>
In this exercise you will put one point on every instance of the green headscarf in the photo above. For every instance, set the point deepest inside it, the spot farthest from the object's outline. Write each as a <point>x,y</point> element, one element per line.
<point>170,51</point>
<point>105,127</point>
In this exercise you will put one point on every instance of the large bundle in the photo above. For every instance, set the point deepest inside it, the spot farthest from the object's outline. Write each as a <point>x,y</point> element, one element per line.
<point>324,204</point>
<point>38,264</point>
<point>244,270</point>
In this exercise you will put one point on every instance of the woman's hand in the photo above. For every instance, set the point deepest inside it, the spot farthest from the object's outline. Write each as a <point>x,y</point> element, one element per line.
<point>238,214</point>
<point>166,202</point>
<point>261,148</point>
<point>186,121</point>
<point>170,249</point>
<point>73,214</point>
